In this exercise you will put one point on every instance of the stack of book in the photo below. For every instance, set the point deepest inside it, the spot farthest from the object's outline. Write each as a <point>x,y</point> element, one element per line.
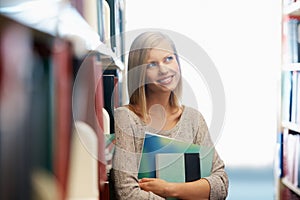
<point>174,160</point>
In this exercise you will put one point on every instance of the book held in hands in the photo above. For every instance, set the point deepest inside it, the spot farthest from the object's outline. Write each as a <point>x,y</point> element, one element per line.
<point>174,160</point>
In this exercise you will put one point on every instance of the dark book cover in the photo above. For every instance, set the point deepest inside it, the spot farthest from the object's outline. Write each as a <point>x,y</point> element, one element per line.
<point>109,97</point>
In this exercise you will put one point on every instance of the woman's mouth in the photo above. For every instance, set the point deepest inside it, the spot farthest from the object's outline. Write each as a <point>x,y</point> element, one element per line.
<point>166,80</point>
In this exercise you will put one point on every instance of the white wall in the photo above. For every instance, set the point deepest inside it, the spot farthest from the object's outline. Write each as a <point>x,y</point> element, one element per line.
<point>243,40</point>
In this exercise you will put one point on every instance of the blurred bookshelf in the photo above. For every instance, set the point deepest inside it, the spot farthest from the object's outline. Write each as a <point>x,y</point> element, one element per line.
<point>42,110</point>
<point>287,171</point>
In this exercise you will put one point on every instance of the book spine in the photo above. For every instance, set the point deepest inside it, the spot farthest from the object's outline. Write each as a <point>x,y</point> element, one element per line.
<point>62,101</point>
<point>109,97</point>
<point>298,99</point>
<point>294,97</point>
<point>286,95</point>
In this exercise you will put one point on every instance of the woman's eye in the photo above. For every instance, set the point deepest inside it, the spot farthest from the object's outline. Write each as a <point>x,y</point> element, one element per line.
<point>152,64</point>
<point>169,58</point>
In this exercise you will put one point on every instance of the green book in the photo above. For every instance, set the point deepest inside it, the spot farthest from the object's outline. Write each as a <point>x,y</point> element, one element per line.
<point>156,144</point>
<point>170,167</point>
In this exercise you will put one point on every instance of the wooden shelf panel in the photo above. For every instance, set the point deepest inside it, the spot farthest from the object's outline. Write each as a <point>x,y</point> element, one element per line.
<point>291,67</point>
<point>291,126</point>
<point>292,9</point>
<point>292,187</point>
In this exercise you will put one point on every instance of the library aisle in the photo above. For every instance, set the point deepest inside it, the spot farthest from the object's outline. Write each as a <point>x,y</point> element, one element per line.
<point>39,36</point>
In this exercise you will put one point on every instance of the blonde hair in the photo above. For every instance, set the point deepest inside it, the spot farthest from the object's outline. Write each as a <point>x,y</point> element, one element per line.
<point>137,58</point>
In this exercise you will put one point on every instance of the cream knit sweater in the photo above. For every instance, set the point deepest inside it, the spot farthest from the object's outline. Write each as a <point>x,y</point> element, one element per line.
<point>130,130</point>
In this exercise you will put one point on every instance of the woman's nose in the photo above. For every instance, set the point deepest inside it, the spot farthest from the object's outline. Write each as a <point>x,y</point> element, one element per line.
<point>163,69</point>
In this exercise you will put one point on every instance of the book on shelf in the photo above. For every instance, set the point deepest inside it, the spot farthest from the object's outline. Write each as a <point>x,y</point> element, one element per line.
<point>24,109</point>
<point>294,100</point>
<point>279,161</point>
<point>88,105</point>
<point>106,23</point>
<point>110,82</point>
<point>179,153</point>
<point>298,162</point>
<point>286,91</point>
<point>290,39</point>
<point>290,96</point>
<point>297,121</point>
<point>116,91</point>
<point>98,98</point>
<point>291,156</point>
<point>63,79</point>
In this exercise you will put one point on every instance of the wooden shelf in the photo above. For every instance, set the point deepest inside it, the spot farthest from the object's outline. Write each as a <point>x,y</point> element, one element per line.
<point>291,67</point>
<point>291,126</point>
<point>292,187</point>
<point>292,9</point>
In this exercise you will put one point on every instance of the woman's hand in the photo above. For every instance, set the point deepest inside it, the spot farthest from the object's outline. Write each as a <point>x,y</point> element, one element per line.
<point>199,189</point>
<point>155,185</point>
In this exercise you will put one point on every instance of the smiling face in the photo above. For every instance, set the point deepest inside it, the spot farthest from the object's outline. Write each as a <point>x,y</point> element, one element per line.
<point>153,68</point>
<point>162,73</point>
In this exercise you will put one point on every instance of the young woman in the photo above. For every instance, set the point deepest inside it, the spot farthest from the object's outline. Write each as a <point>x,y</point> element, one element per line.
<point>154,87</point>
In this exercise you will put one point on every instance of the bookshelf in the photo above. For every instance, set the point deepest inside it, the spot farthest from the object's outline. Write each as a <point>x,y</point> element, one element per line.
<point>288,172</point>
<point>38,69</point>
<point>36,66</point>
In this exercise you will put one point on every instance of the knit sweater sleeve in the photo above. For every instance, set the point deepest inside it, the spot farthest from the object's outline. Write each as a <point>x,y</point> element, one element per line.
<point>218,179</point>
<point>126,159</point>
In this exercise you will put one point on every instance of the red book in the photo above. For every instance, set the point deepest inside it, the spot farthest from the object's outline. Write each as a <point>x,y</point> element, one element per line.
<point>99,103</point>
<point>116,91</point>
<point>63,78</point>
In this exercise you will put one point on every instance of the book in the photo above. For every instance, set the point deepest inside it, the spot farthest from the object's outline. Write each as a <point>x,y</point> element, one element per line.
<point>286,94</point>
<point>279,162</point>
<point>170,167</point>
<point>62,92</point>
<point>156,144</point>
<point>290,39</point>
<point>192,167</point>
<point>178,167</point>
<point>106,23</point>
<point>297,121</point>
<point>109,97</point>
<point>115,92</point>
<point>294,98</point>
<point>298,164</point>
<point>88,105</point>
<point>290,157</point>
